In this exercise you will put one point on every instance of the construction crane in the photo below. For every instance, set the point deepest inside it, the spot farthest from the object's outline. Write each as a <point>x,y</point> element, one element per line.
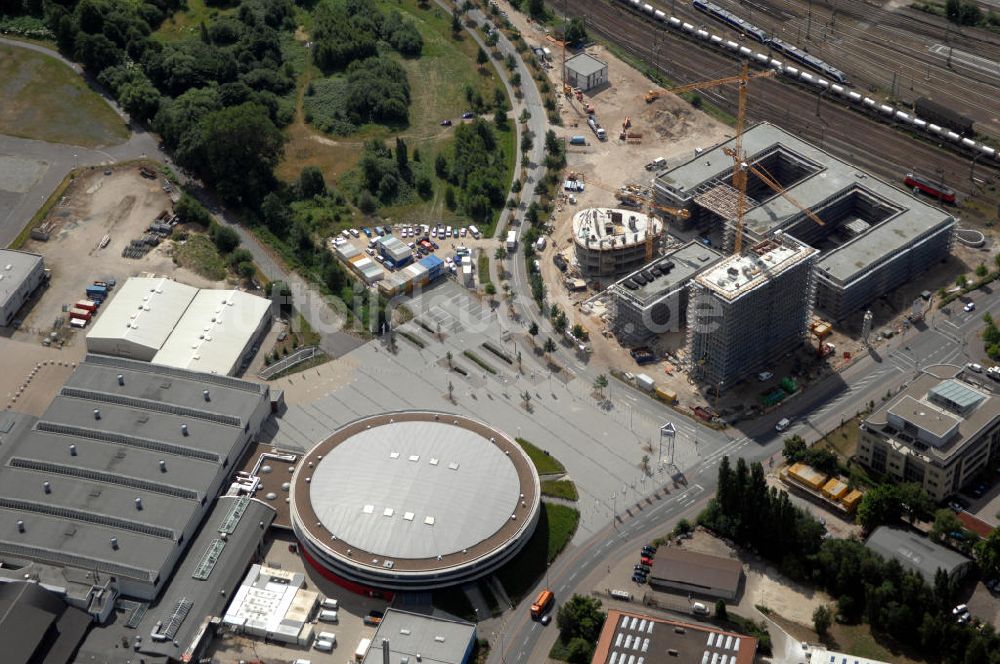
<point>739,172</point>
<point>773,183</point>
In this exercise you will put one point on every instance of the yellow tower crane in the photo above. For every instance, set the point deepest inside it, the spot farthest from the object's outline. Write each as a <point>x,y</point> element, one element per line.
<point>739,172</point>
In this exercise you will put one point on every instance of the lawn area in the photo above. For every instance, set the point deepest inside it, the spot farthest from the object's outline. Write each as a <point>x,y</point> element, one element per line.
<point>844,439</point>
<point>200,255</point>
<point>545,464</point>
<point>556,525</point>
<point>484,269</point>
<point>437,82</point>
<point>858,640</point>
<point>186,23</point>
<point>564,489</point>
<point>46,100</point>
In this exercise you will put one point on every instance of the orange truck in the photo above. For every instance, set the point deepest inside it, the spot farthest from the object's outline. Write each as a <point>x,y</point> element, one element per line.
<point>542,603</point>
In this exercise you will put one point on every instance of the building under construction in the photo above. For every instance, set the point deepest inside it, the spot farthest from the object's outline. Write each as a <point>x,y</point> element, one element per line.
<point>654,299</point>
<point>750,309</point>
<point>610,241</point>
<point>873,236</point>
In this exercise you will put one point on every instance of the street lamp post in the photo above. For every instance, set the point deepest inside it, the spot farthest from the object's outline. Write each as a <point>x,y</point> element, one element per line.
<point>670,432</point>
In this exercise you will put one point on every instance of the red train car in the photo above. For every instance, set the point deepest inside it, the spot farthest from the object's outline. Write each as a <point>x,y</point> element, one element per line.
<point>932,189</point>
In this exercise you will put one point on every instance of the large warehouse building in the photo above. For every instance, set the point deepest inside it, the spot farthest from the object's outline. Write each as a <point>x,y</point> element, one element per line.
<point>749,310</point>
<point>21,273</point>
<point>874,237</point>
<point>166,322</point>
<point>118,473</point>
<point>384,503</point>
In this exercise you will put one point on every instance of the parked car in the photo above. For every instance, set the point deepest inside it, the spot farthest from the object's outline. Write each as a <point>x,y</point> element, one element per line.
<point>446,123</point>
<point>642,569</point>
<point>765,376</point>
<point>646,560</point>
<point>970,306</point>
<point>638,578</point>
<point>649,550</point>
<point>468,115</point>
<point>974,366</point>
<point>782,424</point>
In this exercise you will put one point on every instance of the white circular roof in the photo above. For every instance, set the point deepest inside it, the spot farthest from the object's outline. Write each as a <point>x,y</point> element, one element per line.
<point>414,489</point>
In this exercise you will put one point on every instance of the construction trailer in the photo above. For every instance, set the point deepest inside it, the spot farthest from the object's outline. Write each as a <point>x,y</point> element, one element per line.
<point>749,310</point>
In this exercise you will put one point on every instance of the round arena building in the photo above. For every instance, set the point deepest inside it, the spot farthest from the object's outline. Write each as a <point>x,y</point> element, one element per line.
<point>610,241</point>
<point>413,501</point>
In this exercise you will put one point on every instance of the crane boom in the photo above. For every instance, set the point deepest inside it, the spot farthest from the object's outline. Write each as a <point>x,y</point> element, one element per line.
<point>771,182</point>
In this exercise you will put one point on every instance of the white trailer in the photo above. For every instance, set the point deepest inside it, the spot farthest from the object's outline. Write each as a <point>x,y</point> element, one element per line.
<point>511,240</point>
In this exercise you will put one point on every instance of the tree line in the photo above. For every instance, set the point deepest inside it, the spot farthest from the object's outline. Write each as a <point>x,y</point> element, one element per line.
<point>868,588</point>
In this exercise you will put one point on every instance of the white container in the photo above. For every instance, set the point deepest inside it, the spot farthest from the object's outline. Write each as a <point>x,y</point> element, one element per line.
<point>644,382</point>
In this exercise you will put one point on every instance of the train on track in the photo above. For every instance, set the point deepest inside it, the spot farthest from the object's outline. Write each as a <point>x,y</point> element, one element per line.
<point>932,189</point>
<point>834,85</point>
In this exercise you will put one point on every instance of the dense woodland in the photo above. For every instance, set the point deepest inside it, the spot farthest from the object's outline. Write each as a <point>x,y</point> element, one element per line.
<point>899,605</point>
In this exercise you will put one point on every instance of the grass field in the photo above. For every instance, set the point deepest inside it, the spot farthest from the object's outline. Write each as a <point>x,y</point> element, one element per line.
<point>46,100</point>
<point>437,83</point>
<point>564,489</point>
<point>545,464</point>
<point>199,255</point>
<point>556,525</point>
<point>186,23</point>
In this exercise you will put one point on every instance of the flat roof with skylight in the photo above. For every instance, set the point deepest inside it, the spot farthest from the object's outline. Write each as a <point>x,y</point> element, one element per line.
<point>414,499</point>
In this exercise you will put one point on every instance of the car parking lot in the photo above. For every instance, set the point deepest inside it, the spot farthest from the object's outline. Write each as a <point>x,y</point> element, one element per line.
<point>441,240</point>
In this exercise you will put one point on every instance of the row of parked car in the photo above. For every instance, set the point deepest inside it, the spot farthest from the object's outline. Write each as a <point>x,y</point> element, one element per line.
<point>640,573</point>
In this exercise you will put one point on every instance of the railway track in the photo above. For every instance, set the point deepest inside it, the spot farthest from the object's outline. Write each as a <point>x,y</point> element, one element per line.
<point>842,131</point>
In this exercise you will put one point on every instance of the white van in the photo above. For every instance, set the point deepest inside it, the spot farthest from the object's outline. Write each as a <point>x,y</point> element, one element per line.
<point>325,641</point>
<point>782,424</point>
<point>699,609</point>
<point>328,615</point>
<point>330,603</point>
<point>474,231</point>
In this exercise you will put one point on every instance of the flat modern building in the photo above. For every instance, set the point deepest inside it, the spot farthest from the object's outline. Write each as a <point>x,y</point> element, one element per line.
<point>918,554</point>
<point>824,656</point>
<point>636,638</point>
<point>414,637</point>
<point>274,605</point>
<point>218,333</point>
<point>36,625</point>
<point>874,237</point>
<point>181,623</point>
<point>21,273</point>
<point>413,501</point>
<point>678,570</point>
<point>939,432</point>
<point>654,299</point>
<point>610,242</point>
<point>166,322</point>
<point>749,310</point>
<point>584,71</point>
<point>118,473</point>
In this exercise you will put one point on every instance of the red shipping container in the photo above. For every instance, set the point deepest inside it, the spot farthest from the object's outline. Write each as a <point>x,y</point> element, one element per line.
<point>79,313</point>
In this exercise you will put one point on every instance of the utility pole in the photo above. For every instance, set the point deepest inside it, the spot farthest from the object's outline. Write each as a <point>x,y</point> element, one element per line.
<point>894,74</point>
<point>809,22</point>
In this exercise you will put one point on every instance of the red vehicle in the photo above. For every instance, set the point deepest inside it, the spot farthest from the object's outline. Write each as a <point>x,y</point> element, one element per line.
<point>646,560</point>
<point>934,190</point>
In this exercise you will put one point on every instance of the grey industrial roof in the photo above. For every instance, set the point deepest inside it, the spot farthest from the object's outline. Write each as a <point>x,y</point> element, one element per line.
<point>92,493</point>
<point>926,416</point>
<point>436,640</point>
<point>15,266</point>
<point>834,177</point>
<point>417,471</point>
<point>673,564</point>
<point>585,64</point>
<point>915,552</point>
<point>36,626</point>
<point>208,597</point>
<point>688,259</point>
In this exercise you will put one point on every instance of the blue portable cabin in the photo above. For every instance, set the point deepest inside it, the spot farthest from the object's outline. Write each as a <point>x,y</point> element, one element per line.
<point>434,265</point>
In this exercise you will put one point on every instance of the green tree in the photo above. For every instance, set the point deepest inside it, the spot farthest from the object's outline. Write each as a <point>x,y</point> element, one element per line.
<point>579,332</point>
<point>456,24</point>
<point>962,281</point>
<point>536,8</point>
<point>225,238</point>
<point>482,58</point>
<point>945,521</point>
<point>988,554</point>
<point>449,198</point>
<point>236,150</point>
<point>550,346</point>
<point>533,329</point>
<point>915,502</point>
<point>441,166</point>
<point>720,610</point>
<point>552,144</point>
<point>500,253</point>
<point>574,31</point>
<point>879,506</point>
<point>579,651</point>
<point>402,156</point>
<point>238,256</point>
<point>246,270</point>
<point>601,383</point>
<point>311,182</point>
<point>580,617</point>
<point>822,619</point>
<point>491,290</point>
<point>981,270</point>
<point>795,449</point>
<point>190,211</point>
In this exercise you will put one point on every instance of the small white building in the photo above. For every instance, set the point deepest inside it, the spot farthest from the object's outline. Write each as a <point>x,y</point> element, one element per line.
<point>20,274</point>
<point>585,71</point>
<point>273,604</point>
